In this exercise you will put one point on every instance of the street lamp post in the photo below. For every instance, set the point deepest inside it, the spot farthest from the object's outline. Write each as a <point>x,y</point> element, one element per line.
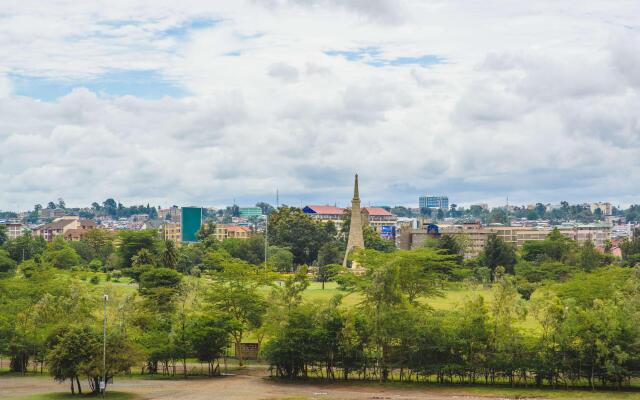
<point>103,383</point>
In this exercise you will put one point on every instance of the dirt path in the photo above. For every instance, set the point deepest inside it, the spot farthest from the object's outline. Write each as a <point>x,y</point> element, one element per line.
<point>236,387</point>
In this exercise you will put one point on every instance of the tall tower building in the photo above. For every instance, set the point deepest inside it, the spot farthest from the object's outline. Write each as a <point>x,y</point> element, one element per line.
<point>356,239</point>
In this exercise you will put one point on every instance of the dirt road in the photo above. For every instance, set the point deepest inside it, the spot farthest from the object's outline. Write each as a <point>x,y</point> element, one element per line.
<point>236,387</point>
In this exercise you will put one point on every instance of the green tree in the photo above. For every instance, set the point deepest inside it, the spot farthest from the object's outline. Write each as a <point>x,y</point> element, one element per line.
<point>234,291</point>
<point>160,286</point>
<point>3,234</point>
<point>630,249</point>
<point>280,259</point>
<point>73,348</point>
<point>498,253</point>
<point>25,247</point>
<point>131,242</point>
<point>7,264</point>
<point>64,258</point>
<point>169,256</point>
<point>328,272</point>
<point>143,257</point>
<point>206,230</point>
<point>589,258</point>
<point>210,336</point>
<point>291,228</point>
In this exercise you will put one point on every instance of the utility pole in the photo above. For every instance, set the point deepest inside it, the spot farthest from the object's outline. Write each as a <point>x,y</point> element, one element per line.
<point>103,384</point>
<point>266,238</point>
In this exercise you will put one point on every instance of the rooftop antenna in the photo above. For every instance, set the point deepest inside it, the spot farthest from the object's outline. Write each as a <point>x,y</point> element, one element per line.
<point>508,219</point>
<point>277,198</point>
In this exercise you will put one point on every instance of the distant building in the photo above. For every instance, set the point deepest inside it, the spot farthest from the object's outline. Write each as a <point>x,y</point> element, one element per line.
<point>381,220</point>
<point>596,233</point>
<point>14,229</point>
<point>46,213</point>
<point>190,222</point>
<point>326,214</point>
<point>376,217</point>
<point>232,231</point>
<point>70,228</point>
<point>139,217</point>
<point>170,214</point>
<point>434,202</point>
<point>605,208</point>
<point>473,236</point>
<point>172,231</point>
<point>246,212</point>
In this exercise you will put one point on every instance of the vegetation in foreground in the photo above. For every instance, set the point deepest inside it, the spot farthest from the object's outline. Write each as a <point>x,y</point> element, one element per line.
<point>389,323</point>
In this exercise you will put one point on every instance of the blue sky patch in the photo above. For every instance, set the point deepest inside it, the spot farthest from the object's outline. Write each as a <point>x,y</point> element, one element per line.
<point>143,84</point>
<point>183,29</point>
<point>373,56</point>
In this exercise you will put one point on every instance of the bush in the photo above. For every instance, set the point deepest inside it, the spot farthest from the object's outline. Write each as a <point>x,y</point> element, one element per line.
<point>95,279</point>
<point>116,274</point>
<point>95,265</point>
<point>6,263</point>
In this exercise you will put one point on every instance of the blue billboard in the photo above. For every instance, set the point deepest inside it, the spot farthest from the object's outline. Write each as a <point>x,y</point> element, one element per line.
<point>387,232</point>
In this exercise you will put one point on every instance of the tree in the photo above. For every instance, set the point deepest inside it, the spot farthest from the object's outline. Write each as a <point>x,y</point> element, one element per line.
<point>3,234</point>
<point>280,259</point>
<point>234,291</point>
<point>110,207</point>
<point>99,243</point>
<point>451,246</point>
<point>144,257</point>
<point>498,253</point>
<point>554,247</point>
<point>290,227</point>
<point>327,272</point>
<point>373,240</point>
<point>265,207</point>
<point>169,256</point>
<point>498,216</point>
<point>64,258</point>
<point>210,336</point>
<point>73,348</point>
<point>630,249</point>
<point>131,242</point>
<point>25,247</point>
<point>6,263</point>
<point>122,354</point>
<point>589,258</point>
<point>331,252</point>
<point>207,229</point>
<point>250,250</point>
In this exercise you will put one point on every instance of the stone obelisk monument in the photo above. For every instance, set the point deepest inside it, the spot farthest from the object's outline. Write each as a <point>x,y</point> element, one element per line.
<point>356,240</point>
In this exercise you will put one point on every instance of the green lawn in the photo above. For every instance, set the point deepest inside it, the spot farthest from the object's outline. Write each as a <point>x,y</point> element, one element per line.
<point>59,396</point>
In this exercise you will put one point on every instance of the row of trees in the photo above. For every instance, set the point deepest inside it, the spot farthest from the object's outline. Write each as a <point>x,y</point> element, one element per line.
<point>587,332</point>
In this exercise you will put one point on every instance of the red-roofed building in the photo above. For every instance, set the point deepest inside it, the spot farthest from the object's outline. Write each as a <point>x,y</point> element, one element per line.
<point>382,220</point>
<point>326,214</point>
<point>376,216</point>
<point>232,231</point>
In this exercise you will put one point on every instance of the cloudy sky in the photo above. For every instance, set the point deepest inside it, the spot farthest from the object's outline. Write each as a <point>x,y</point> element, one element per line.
<point>201,103</point>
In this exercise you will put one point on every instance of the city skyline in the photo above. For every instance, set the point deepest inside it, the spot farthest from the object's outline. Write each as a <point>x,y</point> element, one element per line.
<point>201,103</point>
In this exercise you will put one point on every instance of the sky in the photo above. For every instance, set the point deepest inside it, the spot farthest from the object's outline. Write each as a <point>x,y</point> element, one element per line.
<point>207,103</point>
